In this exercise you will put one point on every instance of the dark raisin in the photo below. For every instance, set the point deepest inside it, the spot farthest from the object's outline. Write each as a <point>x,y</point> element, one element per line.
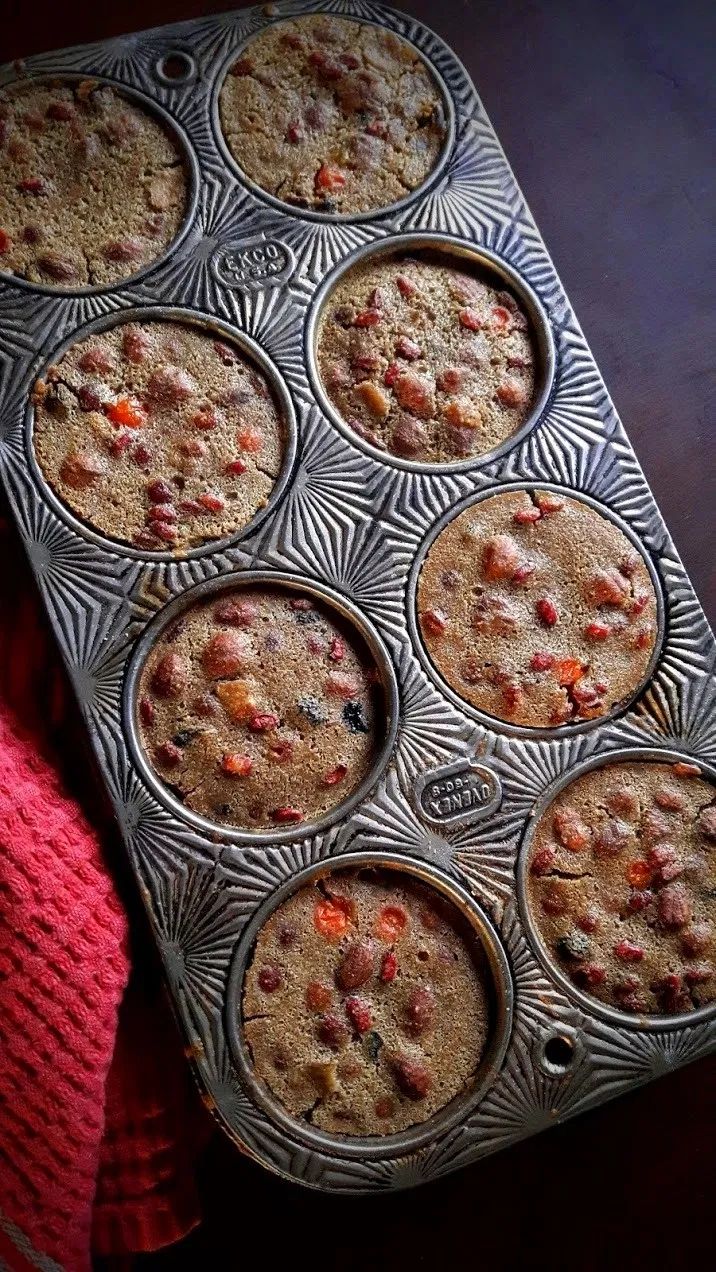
<point>574,945</point>
<point>312,710</point>
<point>373,1043</point>
<point>185,736</point>
<point>354,718</point>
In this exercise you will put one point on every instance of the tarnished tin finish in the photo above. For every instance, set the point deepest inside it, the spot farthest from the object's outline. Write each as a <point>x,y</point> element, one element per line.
<point>356,523</point>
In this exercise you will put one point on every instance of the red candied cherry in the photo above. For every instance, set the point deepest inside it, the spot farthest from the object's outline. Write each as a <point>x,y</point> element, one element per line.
<point>589,975</point>
<point>160,491</point>
<point>333,1032</point>
<point>685,770</point>
<point>235,468</point>
<point>500,557</point>
<point>607,587</point>
<point>500,317</point>
<point>205,419</point>
<point>318,996</point>
<point>415,394</point>
<point>136,345</point>
<point>162,531</point>
<point>120,444</point>
<point>146,710</point>
<point>332,917</point>
<point>126,250</point>
<point>674,906</point>
<point>169,676</point>
<point>356,966</point>
<point>125,413</point>
<point>406,286</point>
<point>390,923</point>
<point>511,393</point>
<point>696,939</point>
<point>359,1014</point>
<point>33,185</point>
<point>670,800</point>
<point>60,111</point>
<point>612,838</point>
<point>547,612</point>
<point>169,385</point>
<point>235,765</point>
<point>263,722</point>
<point>570,830</point>
<point>470,319</point>
<point>340,685</point>
<point>225,654</point>
<point>588,921</point>
<point>367,318</point>
<point>542,661</point>
<point>548,502</point>
<point>638,873</point>
<point>388,968</point>
<point>329,179</point>
<point>413,1078</point>
<point>639,604</point>
<point>527,516</point>
<point>280,751</point>
<point>168,754</point>
<point>141,455</point>
<point>597,631</point>
<point>419,1011</point>
<point>211,502</point>
<point>628,951</point>
<point>250,440</point>
<point>236,613</point>
<point>5,242</point>
<point>434,621</point>
<point>95,361</point>
<point>407,348</point>
<point>243,66</point>
<point>543,860</point>
<point>269,979</point>
<point>335,775</point>
<point>640,900</point>
<point>337,651</point>
<point>286,814</point>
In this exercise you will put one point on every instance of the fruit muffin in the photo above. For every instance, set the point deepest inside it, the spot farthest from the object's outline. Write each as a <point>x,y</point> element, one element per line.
<point>426,359</point>
<point>537,610</point>
<point>333,115</point>
<point>622,885</point>
<point>158,435</point>
<point>260,708</point>
<point>92,187</point>
<point>365,1007</point>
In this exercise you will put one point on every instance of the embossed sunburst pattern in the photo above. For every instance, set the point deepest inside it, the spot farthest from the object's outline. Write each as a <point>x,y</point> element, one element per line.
<point>356,523</point>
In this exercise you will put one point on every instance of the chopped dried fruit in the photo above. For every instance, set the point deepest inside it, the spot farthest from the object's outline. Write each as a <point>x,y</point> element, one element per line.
<point>126,250</point>
<point>332,917</point>
<point>340,685</point>
<point>542,661</point>
<point>670,800</point>
<point>269,979</point>
<point>553,898</point>
<point>249,439</point>
<point>374,399</point>
<point>570,830</point>
<point>5,242</point>
<point>354,718</point>
<point>639,901</point>
<point>168,754</point>
<point>126,413</point>
<point>696,939</point>
<point>548,503</point>
<point>628,951</point>
<point>33,185</point>
<point>169,676</point>
<point>413,1078</point>
<point>607,587</point>
<point>707,822</point>
<point>685,770</point>
<point>527,516</point>
<point>333,1032</point>
<point>638,873</point>
<point>236,613</point>
<point>390,923</point>
<point>81,469</point>
<point>419,1011</point>
<point>501,556</point>
<point>263,722</point>
<point>146,710</point>
<point>237,699</point>
<point>597,631</point>
<point>359,1014</point>
<point>407,348</point>
<point>511,393</point>
<point>543,860</point>
<point>318,996</point>
<point>367,318</point>
<point>568,671</point>
<point>547,613</point>
<point>235,765</point>
<point>415,394</point>
<point>589,975</point>
<point>588,921</point>
<point>225,654</point>
<point>433,621</point>
<point>211,502</point>
<point>471,319</point>
<point>356,966</point>
<point>406,286</point>
<point>286,814</point>
<point>335,775</point>
<point>388,968</point>
<point>674,906</point>
<point>612,838</point>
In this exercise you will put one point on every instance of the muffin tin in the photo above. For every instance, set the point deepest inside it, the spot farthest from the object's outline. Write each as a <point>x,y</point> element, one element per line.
<point>454,795</point>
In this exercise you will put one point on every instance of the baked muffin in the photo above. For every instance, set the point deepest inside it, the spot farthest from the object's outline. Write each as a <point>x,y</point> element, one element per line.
<point>622,885</point>
<point>426,359</point>
<point>333,115</point>
<point>158,435</point>
<point>260,708</point>
<point>364,1007</point>
<point>537,610</point>
<point>92,187</point>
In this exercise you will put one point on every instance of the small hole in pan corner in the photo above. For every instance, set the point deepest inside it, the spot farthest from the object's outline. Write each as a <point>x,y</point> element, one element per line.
<point>175,67</point>
<point>558,1053</point>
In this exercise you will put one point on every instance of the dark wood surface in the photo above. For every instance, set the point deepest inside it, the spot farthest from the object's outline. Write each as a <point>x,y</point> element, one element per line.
<point>605,109</point>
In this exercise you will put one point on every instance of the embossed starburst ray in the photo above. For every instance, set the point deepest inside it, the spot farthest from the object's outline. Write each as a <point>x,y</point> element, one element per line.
<point>539,1001</point>
<point>528,768</point>
<point>675,711</point>
<point>251,874</point>
<point>415,501</point>
<point>486,855</point>
<point>430,732</point>
<point>389,823</point>
<point>623,1056</point>
<point>688,634</point>
<point>318,247</point>
<point>197,924</point>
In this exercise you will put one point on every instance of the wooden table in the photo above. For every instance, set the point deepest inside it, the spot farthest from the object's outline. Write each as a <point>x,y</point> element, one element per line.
<point>605,112</point>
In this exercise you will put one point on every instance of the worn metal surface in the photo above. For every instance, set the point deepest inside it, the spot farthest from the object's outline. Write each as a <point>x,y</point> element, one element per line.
<point>355,523</point>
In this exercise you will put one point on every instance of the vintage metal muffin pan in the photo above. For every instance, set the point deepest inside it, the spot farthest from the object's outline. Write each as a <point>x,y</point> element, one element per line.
<point>453,796</point>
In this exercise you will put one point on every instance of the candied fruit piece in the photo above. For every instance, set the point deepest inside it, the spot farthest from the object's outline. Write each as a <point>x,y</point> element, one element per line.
<point>407,348</point>
<point>374,399</point>
<point>169,676</point>
<point>707,822</point>
<point>553,898</point>
<point>696,939</point>
<point>500,557</point>
<point>388,968</point>
<point>415,394</point>
<point>332,917</point>
<point>235,765</point>
<point>629,951</point>
<point>333,1032</point>
<point>589,975</point>
<point>543,860</point>
<point>337,650</point>
<point>285,815</point>
<point>356,966</point>
<point>359,1014</point>
<point>597,631</point>
<point>470,319</point>
<point>210,501</point>
<point>548,615</point>
<point>263,722</point>
<point>639,900</point>
<point>607,587</point>
<point>638,873</point>
<point>433,621</point>
<point>125,413</point>
<point>81,469</point>
<point>269,979</point>
<point>419,1011</point>
<point>548,502</point>
<point>237,699</point>
<point>570,830</point>
<point>568,671</point>
<point>461,413</point>
<point>354,718</point>
<point>409,437</point>
<point>674,906</point>
<point>685,770</point>
<point>612,838</point>
<point>406,286</point>
<point>390,923</point>
<point>542,661</point>
<point>318,996</point>
<point>340,685</point>
<point>335,775</point>
<point>412,1078</point>
<point>126,250</point>
<point>236,613</point>
<point>670,800</point>
<point>168,754</point>
<point>225,654</point>
<point>588,921</point>
<point>527,516</point>
<point>511,393</point>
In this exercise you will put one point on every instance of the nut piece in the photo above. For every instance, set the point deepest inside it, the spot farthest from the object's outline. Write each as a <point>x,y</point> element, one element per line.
<point>356,967</point>
<point>169,676</point>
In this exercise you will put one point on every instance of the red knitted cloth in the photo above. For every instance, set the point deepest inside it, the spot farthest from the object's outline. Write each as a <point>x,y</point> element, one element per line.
<point>99,1124</point>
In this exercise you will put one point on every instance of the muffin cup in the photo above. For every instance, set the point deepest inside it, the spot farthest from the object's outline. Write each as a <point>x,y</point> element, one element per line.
<point>214,588</point>
<point>309,214</point>
<point>500,989</point>
<point>494,722</point>
<point>203,322</point>
<point>454,250</point>
<point>175,130</point>
<point>588,1003</point>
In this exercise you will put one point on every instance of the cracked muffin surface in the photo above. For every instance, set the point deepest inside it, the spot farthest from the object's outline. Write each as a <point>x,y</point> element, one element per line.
<point>92,187</point>
<point>425,358</point>
<point>261,708</point>
<point>537,610</point>
<point>365,1007</point>
<point>622,885</point>
<point>158,434</point>
<point>332,114</point>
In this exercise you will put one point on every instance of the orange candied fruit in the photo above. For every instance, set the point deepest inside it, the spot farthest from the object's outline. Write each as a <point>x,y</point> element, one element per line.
<point>249,439</point>
<point>390,923</point>
<point>569,671</point>
<point>126,413</point>
<point>332,917</point>
<point>638,873</point>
